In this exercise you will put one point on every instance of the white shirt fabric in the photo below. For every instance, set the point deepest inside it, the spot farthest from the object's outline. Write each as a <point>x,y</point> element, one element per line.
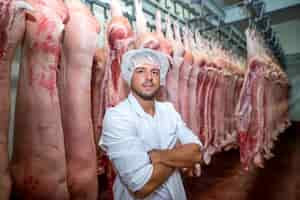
<point>129,133</point>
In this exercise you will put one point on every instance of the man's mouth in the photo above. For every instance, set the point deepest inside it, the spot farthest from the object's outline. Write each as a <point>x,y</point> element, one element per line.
<point>148,85</point>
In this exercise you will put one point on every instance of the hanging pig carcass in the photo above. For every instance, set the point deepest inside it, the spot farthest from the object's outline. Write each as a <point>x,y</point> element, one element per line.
<point>12,28</point>
<point>263,103</point>
<point>75,76</point>
<point>120,37</point>
<point>38,162</point>
<point>98,72</point>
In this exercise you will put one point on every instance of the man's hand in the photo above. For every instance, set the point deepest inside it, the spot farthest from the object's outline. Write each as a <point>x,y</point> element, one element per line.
<point>160,174</point>
<point>178,144</point>
<point>192,172</point>
<point>101,161</point>
<point>186,155</point>
<point>155,156</point>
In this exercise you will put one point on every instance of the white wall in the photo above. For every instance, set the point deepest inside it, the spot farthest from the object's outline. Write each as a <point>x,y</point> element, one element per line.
<point>289,34</point>
<point>293,71</point>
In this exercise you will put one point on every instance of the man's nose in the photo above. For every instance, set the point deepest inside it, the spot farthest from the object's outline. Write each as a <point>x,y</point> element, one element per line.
<point>149,76</point>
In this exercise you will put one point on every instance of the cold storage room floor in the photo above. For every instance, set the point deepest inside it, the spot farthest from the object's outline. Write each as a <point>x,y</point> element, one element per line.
<point>225,179</point>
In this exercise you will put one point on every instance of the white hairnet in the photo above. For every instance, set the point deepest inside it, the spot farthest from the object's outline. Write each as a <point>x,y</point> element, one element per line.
<point>133,58</point>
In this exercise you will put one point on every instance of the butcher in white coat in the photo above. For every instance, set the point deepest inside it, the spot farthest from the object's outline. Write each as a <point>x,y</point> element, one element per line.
<point>146,140</point>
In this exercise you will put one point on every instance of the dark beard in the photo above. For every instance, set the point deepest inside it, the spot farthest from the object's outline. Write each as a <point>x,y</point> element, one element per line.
<point>146,97</point>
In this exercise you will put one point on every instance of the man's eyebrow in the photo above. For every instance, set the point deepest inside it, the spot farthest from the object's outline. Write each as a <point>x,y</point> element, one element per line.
<point>139,68</point>
<point>155,69</point>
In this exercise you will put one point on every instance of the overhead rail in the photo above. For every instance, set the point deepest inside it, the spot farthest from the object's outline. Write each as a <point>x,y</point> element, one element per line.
<point>259,19</point>
<point>213,19</point>
<point>257,12</point>
<point>182,12</point>
<point>236,12</point>
<point>177,5</point>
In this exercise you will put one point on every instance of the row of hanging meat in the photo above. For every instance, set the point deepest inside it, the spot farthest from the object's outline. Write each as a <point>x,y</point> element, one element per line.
<point>66,83</point>
<point>209,86</point>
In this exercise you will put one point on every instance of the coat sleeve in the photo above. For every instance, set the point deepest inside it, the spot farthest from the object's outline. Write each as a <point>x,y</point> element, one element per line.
<point>184,134</point>
<point>126,151</point>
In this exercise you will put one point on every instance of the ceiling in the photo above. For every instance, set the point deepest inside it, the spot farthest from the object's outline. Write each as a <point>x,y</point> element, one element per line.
<point>285,20</point>
<point>223,3</point>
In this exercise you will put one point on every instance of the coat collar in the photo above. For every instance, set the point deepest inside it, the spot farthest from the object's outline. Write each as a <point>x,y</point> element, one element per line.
<point>137,106</point>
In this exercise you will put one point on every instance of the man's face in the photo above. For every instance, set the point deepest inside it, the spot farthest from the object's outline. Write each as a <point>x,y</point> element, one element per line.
<point>145,81</point>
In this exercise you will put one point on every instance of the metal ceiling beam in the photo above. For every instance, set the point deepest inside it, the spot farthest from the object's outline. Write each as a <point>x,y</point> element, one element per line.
<point>215,9</point>
<point>225,31</point>
<point>221,13</point>
<point>237,13</point>
<point>146,9</point>
<point>164,10</point>
<point>208,5</point>
<point>154,5</point>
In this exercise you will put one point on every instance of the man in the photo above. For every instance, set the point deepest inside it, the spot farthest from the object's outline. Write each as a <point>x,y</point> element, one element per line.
<point>147,140</point>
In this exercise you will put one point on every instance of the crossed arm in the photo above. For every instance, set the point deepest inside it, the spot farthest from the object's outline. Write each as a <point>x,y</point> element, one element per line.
<point>166,161</point>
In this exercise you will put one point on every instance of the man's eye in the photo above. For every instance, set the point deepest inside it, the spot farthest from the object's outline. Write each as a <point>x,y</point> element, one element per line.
<point>139,71</point>
<point>156,73</point>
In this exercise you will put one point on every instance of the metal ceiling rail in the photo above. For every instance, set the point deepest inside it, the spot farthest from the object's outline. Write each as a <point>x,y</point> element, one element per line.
<point>215,10</point>
<point>106,7</point>
<point>236,12</point>
<point>256,11</point>
<point>261,22</point>
<point>166,9</point>
<point>209,7</point>
<point>214,19</point>
<point>154,5</point>
<point>228,33</point>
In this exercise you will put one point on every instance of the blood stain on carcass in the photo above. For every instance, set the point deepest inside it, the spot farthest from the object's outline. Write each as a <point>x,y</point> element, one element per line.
<point>52,67</point>
<point>41,2</point>
<point>49,83</point>
<point>116,73</point>
<point>49,38</point>
<point>1,53</point>
<point>45,25</point>
<point>31,183</point>
<point>4,20</point>
<point>49,48</point>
